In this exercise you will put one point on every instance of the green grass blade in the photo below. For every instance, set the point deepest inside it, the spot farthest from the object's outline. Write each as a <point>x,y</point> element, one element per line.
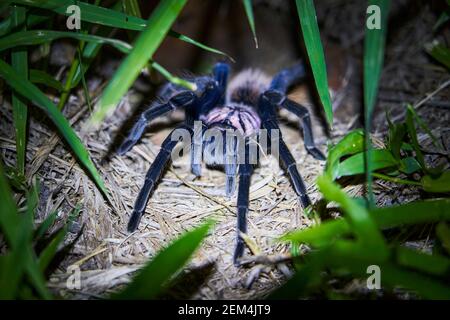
<point>184,38</point>
<point>146,44</point>
<point>374,45</point>
<point>34,37</point>
<point>251,19</point>
<point>150,281</point>
<point>19,61</point>
<point>41,77</point>
<point>313,44</point>
<point>26,88</point>
<point>170,77</point>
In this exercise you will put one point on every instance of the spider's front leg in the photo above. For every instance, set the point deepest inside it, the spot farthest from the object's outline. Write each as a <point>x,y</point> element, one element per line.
<point>180,100</point>
<point>153,175</point>
<point>289,163</point>
<point>245,173</point>
<point>276,98</point>
<point>269,122</point>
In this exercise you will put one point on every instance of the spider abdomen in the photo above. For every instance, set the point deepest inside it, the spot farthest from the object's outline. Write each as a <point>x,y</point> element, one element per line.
<point>234,116</point>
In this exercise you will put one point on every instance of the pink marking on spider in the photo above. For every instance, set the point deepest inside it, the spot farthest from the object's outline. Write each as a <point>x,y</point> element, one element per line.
<point>239,116</point>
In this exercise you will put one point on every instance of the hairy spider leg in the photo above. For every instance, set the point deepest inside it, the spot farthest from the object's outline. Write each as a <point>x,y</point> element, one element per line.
<point>152,177</point>
<point>287,77</point>
<point>277,96</point>
<point>245,173</point>
<point>303,113</point>
<point>180,100</point>
<point>221,72</point>
<point>202,106</point>
<point>269,122</point>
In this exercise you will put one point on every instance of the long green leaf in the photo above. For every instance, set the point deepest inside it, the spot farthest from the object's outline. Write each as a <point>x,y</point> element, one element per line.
<point>33,37</point>
<point>27,89</point>
<point>19,61</point>
<point>154,276</point>
<point>313,43</point>
<point>374,44</point>
<point>146,44</point>
<point>251,19</point>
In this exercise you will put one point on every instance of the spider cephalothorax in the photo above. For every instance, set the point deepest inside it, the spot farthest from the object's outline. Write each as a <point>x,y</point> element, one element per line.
<point>248,105</point>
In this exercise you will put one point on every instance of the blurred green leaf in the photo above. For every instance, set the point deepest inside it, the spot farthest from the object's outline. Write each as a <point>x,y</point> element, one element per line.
<point>427,211</point>
<point>431,264</point>
<point>362,224</point>
<point>150,281</point>
<point>45,225</point>
<point>49,252</point>
<point>439,184</point>
<point>16,179</point>
<point>24,87</point>
<point>313,43</point>
<point>443,234</point>
<point>17,233</point>
<point>41,77</point>
<point>146,44</point>
<point>251,19</point>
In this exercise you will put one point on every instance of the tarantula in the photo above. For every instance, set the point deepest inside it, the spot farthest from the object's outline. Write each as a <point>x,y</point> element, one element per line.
<point>248,105</point>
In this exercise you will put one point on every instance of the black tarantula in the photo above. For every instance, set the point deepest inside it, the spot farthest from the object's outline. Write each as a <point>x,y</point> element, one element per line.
<point>248,105</point>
